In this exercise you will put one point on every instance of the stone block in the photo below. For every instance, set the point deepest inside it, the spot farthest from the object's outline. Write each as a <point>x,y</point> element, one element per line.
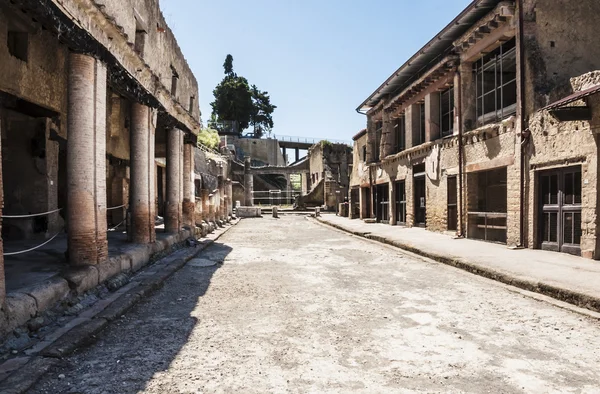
<point>82,279</point>
<point>109,268</point>
<point>48,293</point>
<point>125,263</point>
<point>249,212</point>
<point>140,255</point>
<point>20,307</point>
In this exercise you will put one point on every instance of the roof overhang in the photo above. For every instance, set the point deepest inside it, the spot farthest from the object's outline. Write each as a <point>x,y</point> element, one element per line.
<point>434,51</point>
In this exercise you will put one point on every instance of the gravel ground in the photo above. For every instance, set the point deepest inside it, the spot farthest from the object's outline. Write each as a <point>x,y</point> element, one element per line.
<point>296,307</point>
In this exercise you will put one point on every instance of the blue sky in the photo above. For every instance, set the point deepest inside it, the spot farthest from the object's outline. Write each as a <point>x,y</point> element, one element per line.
<point>318,60</point>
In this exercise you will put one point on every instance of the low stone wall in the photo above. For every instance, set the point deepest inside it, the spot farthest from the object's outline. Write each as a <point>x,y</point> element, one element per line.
<point>248,212</point>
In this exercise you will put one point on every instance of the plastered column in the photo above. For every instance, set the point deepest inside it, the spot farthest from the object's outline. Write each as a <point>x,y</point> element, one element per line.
<point>142,175</point>
<point>189,198</point>
<point>172,223</point>
<point>248,183</point>
<point>204,193</point>
<point>392,200</point>
<point>86,161</point>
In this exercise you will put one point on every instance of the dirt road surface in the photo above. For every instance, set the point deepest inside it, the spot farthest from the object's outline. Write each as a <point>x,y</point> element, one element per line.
<point>295,307</point>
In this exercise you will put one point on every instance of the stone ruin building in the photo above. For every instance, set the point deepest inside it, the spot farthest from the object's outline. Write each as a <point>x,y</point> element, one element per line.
<point>490,130</point>
<point>98,116</point>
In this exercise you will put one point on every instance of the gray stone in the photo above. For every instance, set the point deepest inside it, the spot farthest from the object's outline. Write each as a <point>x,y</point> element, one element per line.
<point>201,263</point>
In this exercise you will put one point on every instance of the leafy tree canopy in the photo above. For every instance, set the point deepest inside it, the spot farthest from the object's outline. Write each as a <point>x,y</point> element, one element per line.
<point>209,137</point>
<point>237,101</point>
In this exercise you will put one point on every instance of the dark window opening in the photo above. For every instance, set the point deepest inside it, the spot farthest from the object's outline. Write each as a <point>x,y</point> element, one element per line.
<point>364,153</point>
<point>401,202</point>
<point>400,131</point>
<point>447,112</point>
<point>140,42</point>
<point>174,79</point>
<point>496,84</point>
<point>192,98</point>
<point>487,205</point>
<point>452,204</point>
<point>18,44</point>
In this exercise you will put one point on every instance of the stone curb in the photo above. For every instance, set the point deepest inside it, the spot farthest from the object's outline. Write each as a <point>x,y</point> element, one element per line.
<point>84,334</point>
<point>561,294</point>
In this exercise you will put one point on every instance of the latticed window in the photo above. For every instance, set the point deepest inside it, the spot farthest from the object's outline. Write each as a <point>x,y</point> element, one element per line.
<point>447,112</point>
<point>496,84</point>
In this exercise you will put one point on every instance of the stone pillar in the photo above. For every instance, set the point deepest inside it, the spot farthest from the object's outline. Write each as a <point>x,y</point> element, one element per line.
<point>172,223</point>
<point>432,116</point>
<point>204,194</point>
<point>86,161</point>
<point>285,160</point>
<point>142,174</point>
<point>230,198</point>
<point>189,197</point>
<point>248,183</point>
<point>371,140</point>
<point>392,200</point>
<point>413,120</point>
<point>387,136</point>
<point>467,97</point>
<point>211,207</point>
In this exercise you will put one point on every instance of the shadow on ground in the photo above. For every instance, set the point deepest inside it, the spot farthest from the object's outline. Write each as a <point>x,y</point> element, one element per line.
<point>142,343</point>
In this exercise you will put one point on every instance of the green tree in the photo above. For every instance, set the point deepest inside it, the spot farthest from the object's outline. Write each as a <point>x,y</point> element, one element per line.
<point>233,99</point>
<point>209,137</point>
<point>261,119</point>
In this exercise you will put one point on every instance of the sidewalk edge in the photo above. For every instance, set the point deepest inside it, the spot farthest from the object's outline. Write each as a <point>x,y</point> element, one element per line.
<point>570,296</point>
<point>84,334</point>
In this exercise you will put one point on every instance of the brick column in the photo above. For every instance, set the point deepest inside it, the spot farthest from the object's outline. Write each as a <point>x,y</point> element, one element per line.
<point>388,136</point>
<point>189,198</point>
<point>142,175</point>
<point>86,161</point>
<point>248,183</point>
<point>432,116</point>
<point>181,180</point>
<point>172,223</point>
<point>2,277</point>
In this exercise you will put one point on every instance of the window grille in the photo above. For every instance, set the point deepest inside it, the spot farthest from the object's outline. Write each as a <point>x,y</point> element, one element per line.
<point>496,84</point>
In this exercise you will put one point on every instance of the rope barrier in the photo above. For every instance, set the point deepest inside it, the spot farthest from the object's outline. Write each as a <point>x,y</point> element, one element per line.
<point>30,216</point>
<point>117,226</point>
<point>120,206</point>
<point>34,248</point>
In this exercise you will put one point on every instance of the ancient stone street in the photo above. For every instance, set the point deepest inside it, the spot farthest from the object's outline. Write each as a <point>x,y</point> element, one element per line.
<point>293,306</point>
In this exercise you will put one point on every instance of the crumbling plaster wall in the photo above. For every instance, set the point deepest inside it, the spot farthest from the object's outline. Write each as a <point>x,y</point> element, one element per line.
<point>358,177</point>
<point>41,80</point>
<point>561,42</point>
<point>161,50</point>
<point>558,144</point>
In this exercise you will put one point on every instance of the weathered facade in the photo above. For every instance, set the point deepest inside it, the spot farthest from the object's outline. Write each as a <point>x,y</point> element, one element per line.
<point>455,139</point>
<point>99,116</point>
